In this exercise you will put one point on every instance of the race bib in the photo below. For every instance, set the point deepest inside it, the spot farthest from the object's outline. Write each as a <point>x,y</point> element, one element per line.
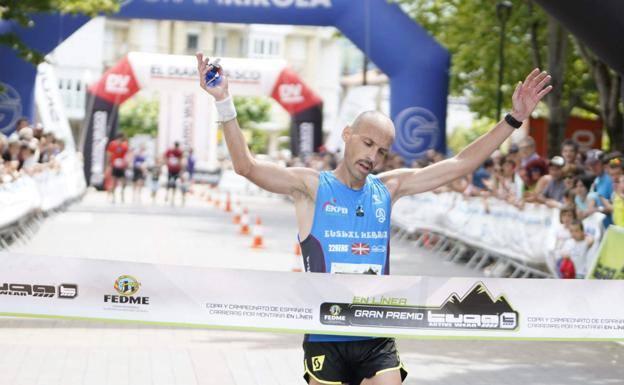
<point>119,163</point>
<point>355,268</point>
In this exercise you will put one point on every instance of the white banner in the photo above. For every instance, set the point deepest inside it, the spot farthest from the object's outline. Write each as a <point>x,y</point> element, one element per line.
<point>50,106</point>
<point>44,191</point>
<point>358,305</point>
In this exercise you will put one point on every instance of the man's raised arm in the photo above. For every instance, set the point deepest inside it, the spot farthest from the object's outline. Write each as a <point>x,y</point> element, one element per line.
<point>527,94</point>
<point>266,175</point>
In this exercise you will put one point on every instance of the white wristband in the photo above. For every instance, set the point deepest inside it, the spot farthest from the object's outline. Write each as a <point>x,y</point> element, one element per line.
<point>225,109</point>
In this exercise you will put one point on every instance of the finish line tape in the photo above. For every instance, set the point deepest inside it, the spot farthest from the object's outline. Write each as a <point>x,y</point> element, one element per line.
<point>359,305</point>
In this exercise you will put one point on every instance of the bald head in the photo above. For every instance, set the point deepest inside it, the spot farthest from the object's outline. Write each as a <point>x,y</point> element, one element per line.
<point>373,119</point>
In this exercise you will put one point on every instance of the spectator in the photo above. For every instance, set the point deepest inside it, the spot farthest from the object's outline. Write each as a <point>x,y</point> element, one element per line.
<point>514,154</point>
<point>38,131</point>
<point>527,151</point>
<point>577,247</point>
<point>553,193</point>
<point>480,178</point>
<point>602,185</point>
<point>510,186</point>
<point>28,157</point>
<point>21,123</point>
<point>569,152</point>
<point>569,177</point>
<point>567,214</point>
<point>329,161</point>
<point>615,167</point>
<point>585,205</point>
<point>533,173</point>
<point>616,205</point>
<point>4,144</point>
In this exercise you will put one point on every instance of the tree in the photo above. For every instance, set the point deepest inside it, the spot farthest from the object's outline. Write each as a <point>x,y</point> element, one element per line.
<point>252,110</point>
<point>21,12</point>
<point>470,30</point>
<point>139,116</point>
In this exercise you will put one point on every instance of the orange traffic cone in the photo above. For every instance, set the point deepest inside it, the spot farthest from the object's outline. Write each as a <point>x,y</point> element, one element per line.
<point>237,213</point>
<point>217,200</point>
<point>244,222</point>
<point>228,203</point>
<point>296,267</point>
<point>257,235</point>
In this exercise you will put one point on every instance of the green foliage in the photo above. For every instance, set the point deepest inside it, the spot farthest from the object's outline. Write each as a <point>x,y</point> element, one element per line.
<point>463,136</point>
<point>21,11</point>
<point>470,30</point>
<point>252,110</point>
<point>139,116</point>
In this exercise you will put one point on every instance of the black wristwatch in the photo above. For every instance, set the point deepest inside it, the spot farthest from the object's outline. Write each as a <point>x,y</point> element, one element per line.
<point>512,121</point>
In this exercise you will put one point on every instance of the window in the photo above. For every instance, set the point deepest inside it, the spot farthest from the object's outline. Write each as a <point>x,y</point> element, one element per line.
<point>220,45</point>
<point>265,48</point>
<point>243,47</point>
<point>192,42</point>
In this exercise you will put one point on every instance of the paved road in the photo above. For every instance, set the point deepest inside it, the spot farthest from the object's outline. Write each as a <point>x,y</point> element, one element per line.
<point>51,352</point>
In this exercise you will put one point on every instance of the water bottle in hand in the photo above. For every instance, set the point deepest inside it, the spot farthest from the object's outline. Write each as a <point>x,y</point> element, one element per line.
<point>213,78</point>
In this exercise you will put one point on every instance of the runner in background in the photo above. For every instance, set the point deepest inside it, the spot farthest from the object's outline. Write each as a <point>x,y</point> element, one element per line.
<point>139,170</point>
<point>154,179</point>
<point>173,160</point>
<point>117,152</point>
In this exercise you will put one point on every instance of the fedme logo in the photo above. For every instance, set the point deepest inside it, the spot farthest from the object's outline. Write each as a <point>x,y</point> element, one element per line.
<point>126,286</point>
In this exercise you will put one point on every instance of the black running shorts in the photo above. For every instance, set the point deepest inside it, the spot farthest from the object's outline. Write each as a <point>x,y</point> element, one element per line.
<point>350,362</point>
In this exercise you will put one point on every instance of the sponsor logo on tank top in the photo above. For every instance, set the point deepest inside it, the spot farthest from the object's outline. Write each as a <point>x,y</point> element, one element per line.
<point>378,249</point>
<point>356,234</point>
<point>376,199</point>
<point>380,214</point>
<point>331,207</point>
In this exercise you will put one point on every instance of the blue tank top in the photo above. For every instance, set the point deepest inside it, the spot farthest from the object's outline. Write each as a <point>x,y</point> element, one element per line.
<point>350,233</point>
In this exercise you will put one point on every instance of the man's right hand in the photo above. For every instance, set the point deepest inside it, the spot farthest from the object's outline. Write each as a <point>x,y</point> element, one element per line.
<point>218,92</point>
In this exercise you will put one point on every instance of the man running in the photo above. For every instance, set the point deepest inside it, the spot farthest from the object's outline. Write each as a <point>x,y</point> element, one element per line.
<point>117,153</point>
<point>173,159</point>
<point>338,211</point>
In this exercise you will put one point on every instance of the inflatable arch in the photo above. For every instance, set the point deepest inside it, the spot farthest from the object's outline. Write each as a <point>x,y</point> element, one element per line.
<point>186,112</point>
<point>416,65</point>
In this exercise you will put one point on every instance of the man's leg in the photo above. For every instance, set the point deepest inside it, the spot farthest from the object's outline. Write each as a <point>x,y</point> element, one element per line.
<point>314,382</point>
<point>392,377</point>
<point>123,189</point>
<point>378,363</point>
<point>113,188</point>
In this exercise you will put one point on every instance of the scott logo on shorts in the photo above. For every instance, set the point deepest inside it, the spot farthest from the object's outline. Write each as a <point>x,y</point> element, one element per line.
<point>317,363</point>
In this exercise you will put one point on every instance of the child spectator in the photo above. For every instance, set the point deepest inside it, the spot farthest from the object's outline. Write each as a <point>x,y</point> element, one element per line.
<point>566,216</point>
<point>577,247</point>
